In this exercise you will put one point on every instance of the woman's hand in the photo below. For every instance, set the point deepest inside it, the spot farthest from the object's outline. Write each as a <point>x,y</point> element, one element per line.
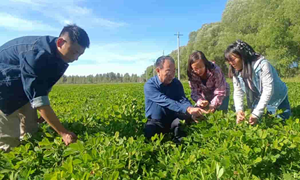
<point>203,103</point>
<point>253,120</point>
<point>240,116</point>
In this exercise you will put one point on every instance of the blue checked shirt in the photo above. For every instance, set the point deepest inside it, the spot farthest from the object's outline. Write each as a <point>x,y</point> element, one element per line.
<point>29,67</point>
<point>164,101</point>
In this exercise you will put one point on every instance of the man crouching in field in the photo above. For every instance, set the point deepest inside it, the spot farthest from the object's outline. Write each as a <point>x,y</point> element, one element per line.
<point>29,67</point>
<point>165,101</point>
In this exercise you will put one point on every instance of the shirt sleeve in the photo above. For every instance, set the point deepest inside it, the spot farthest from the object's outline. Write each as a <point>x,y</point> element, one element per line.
<point>238,95</point>
<point>195,93</point>
<point>152,93</point>
<point>267,89</point>
<point>220,90</point>
<point>32,65</point>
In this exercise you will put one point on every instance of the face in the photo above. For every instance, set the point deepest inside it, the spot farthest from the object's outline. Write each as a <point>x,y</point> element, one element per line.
<point>69,51</point>
<point>167,73</point>
<point>199,68</point>
<point>236,62</point>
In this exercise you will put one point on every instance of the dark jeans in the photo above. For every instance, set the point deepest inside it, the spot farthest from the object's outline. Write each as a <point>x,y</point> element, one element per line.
<point>224,105</point>
<point>285,106</point>
<point>157,126</point>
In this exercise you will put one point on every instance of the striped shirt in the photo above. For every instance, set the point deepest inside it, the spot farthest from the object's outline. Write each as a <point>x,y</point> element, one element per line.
<point>215,89</point>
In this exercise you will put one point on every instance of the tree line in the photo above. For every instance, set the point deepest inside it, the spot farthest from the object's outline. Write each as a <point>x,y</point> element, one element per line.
<point>271,27</point>
<point>101,78</point>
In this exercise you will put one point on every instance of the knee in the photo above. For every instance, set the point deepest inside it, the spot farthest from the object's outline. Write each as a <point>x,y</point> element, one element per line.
<point>6,143</point>
<point>286,114</point>
<point>150,130</point>
<point>175,123</point>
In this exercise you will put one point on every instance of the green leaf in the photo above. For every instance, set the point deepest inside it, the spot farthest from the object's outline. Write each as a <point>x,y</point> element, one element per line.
<point>220,174</point>
<point>257,160</point>
<point>48,135</point>
<point>117,135</point>
<point>114,175</point>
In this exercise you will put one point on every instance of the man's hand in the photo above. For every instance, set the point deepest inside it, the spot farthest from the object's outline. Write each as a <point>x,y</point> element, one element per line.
<point>50,117</point>
<point>240,116</point>
<point>203,103</point>
<point>252,120</point>
<point>69,138</point>
<point>203,111</point>
<point>195,119</point>
<point>195,111</point>
<point>211,110</point>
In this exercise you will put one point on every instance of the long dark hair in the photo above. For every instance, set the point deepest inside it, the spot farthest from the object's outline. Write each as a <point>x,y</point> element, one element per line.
<point>247,55</point>
<point>195,56</point>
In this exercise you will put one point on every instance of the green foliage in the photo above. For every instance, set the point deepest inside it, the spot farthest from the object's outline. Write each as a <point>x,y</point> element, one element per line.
<point>271,27</point>
<point>109,119</point>
<point>101,78</point>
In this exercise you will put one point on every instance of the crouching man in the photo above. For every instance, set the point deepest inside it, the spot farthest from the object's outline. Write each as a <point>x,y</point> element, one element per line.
<point>165,101</point>
<point>29,67</point>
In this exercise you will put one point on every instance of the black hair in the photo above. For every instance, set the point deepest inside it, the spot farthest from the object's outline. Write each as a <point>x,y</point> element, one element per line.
<point>247,55</point>
<point>76,34</point>
<point>160,61</point>
<point>195,56</point>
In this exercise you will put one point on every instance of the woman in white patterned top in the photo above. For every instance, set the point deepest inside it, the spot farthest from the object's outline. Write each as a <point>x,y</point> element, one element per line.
<point>254,75</point>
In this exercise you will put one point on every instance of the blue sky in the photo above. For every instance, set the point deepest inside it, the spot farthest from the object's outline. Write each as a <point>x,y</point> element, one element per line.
<point>126,35</point>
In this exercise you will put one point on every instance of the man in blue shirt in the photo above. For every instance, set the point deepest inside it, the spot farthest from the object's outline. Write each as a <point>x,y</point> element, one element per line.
<point>29,67</point>
<point>165,101</point>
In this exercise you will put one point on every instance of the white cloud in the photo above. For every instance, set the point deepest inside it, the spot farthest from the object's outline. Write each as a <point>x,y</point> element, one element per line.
<point>107,23</point>
<point>122,57</point>
<point>120,52</point>
<point>15,23</point>
<point>66,11</point>
<point>114,57</point>
<point>31,2</point>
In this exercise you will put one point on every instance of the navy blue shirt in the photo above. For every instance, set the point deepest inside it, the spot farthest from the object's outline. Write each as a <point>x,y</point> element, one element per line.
<point>164,101</point>
<point>29,67</point>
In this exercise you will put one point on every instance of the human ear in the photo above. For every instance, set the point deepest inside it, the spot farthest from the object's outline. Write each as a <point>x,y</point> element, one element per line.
<point>157,70</point>
<point>60,42</point>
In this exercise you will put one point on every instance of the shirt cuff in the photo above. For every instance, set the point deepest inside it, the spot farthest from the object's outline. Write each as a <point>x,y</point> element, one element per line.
<point>213,106</point>
<point>40,101</point>
<point>199,102</point>
<point>257,113</point>
<point>237,109</point>
<point>184,107</point>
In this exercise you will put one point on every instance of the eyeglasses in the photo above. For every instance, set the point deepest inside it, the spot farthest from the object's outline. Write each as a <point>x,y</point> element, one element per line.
<point>197,69</point>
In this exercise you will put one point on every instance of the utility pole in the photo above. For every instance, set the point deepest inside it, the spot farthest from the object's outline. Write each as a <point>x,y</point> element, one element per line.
<point>153,67</point>
<point>178,44</point>
<point>163,52</point>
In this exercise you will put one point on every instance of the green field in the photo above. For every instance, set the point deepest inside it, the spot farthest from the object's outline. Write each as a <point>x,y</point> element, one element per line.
<point>109,119</point>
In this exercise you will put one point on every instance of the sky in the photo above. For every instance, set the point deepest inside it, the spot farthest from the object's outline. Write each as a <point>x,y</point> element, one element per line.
<point>126,35</point>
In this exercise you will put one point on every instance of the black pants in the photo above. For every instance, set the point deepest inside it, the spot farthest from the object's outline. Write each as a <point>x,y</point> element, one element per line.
<point>157,126</point>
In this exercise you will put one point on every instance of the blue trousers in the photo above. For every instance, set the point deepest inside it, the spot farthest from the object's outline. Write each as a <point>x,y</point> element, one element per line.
<point>157,126</point>
<point>224,105</point>
<point>285,106</point>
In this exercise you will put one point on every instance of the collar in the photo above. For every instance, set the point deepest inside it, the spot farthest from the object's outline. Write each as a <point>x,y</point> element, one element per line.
<point>157,80</point>
<point>258,62</point>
